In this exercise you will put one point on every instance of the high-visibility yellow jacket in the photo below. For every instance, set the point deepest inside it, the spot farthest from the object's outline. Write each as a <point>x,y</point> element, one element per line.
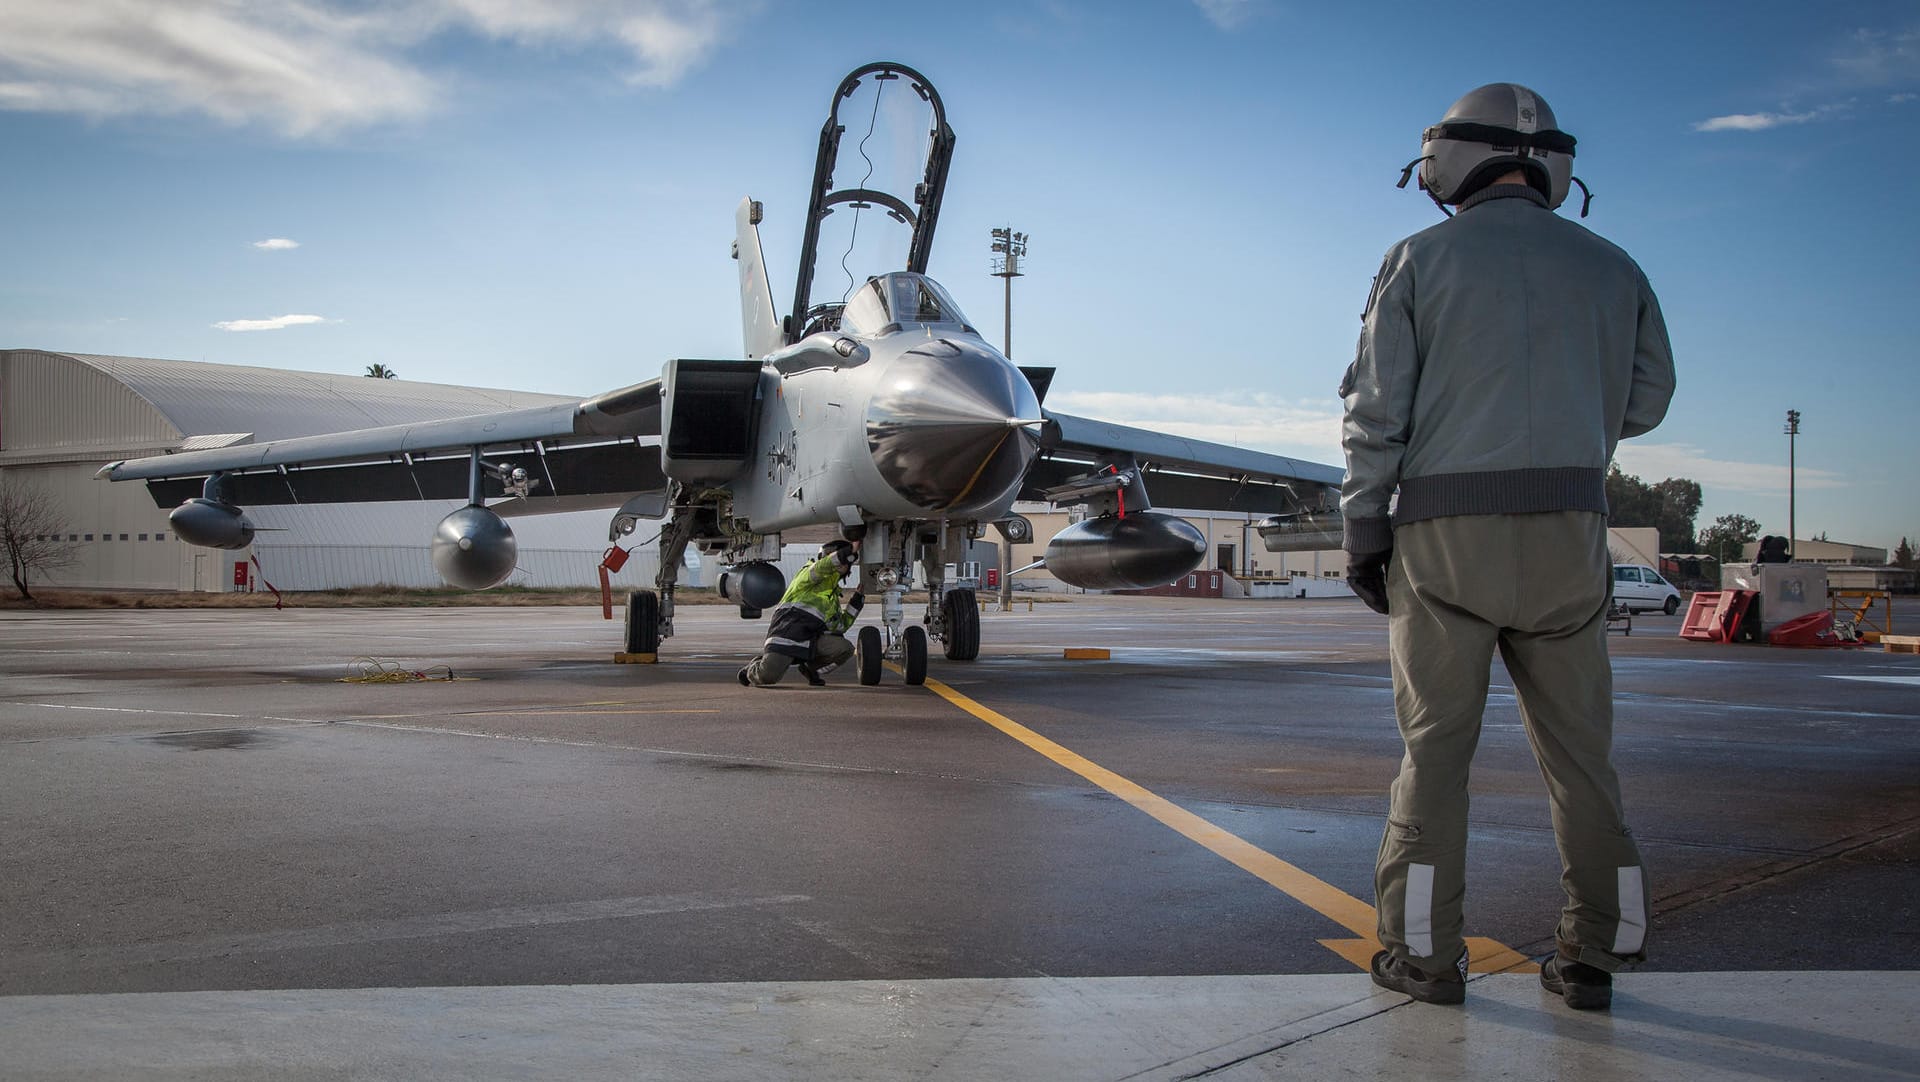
<point>809,609</point>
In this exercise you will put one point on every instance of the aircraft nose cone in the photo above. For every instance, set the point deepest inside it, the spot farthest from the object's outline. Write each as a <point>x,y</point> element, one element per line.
<point>945,428</point>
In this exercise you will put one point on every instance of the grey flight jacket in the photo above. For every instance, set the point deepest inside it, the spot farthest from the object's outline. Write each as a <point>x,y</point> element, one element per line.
<point>1503,355</point>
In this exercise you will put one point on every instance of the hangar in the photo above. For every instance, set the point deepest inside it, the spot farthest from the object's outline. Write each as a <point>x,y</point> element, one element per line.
<point>64,415</point>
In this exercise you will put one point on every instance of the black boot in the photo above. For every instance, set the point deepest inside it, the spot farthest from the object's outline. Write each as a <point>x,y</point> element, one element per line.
<point>812,674</point>
<point>1584,987</point>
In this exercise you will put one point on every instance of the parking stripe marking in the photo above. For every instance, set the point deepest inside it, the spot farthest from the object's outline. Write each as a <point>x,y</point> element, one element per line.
<point>1323,898</point>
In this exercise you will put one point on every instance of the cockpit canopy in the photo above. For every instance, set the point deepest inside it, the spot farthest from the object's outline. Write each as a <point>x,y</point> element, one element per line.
<point>901,298</point>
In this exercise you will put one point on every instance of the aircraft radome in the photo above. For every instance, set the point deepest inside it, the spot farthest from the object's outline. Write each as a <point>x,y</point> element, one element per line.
<point>873,407</point>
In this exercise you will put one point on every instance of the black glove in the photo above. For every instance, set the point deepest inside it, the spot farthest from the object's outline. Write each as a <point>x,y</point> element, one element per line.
<point>1367,574</point>
<point>857,602</point>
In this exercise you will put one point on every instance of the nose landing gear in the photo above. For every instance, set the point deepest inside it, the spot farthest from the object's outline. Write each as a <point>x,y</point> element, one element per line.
<point>893,640</point>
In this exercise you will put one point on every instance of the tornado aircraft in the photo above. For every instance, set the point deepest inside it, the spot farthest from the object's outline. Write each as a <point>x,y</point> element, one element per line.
<point>873,408</point>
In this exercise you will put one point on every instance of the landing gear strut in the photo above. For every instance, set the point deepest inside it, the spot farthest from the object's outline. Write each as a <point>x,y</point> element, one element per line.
<point>893,639</point>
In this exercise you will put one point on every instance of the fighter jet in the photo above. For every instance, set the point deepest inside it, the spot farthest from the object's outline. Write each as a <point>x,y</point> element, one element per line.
<point>873,408</point>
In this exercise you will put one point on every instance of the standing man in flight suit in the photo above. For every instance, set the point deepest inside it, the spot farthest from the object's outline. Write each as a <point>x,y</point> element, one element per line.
<point>1503,355</point>
<point>808,629</point>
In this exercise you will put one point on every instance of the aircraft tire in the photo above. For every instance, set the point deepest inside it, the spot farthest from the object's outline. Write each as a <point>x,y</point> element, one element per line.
<point>867,651</point>
<point>643,622</point>
<point>963,625</point>
<point>915,641</point>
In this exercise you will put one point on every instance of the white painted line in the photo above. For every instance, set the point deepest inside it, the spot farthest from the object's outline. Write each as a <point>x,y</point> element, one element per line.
<point>1908,681</point>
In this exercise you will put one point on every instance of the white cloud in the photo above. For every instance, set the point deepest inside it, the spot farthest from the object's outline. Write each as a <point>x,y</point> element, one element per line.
<point>276,244</point>
<point>1226,14</point>
<point>1302,428</point>
<point>1656,461</point>
<point>1901,98</point>
<point>274,324</point>
<point>307,66</point>
<point>1750,121</point>
<point>1881,58</point>
<point>1761,121</point>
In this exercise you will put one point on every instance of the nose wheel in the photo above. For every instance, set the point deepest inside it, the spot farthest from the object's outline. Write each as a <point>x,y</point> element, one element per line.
<point>901,642</point>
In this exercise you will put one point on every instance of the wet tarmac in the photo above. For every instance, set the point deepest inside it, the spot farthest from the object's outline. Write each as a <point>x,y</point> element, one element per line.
<point>195,802</point>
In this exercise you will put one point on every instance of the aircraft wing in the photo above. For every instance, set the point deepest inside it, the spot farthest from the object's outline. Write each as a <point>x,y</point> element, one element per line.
<point>1184,473</point>
<point>580,454</point>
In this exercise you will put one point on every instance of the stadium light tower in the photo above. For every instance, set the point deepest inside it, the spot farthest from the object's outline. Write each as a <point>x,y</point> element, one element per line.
<point>1793,430</point>
<point>1009,248</point>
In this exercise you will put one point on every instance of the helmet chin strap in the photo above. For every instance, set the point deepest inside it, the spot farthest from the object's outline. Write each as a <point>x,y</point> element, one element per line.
<point>1406,174</point>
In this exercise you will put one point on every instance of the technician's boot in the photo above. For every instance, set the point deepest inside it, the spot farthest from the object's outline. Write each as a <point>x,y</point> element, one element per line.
<point>744,682</point>
<point>1399,975</point>
<point>1584,987</point>
<point>812,674</point>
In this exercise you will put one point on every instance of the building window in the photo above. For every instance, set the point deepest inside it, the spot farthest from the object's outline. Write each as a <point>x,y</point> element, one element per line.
<point>89,537</point>
<point>123,537</point>
<point>143,537</point>
<point>74,537</point>
<point>161,536</point>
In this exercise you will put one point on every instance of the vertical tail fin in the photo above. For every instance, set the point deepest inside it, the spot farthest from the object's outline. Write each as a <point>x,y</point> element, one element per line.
<point>759,325</point>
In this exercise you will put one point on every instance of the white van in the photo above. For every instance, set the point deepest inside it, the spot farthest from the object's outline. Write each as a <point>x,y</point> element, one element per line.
<point>1641,589</point>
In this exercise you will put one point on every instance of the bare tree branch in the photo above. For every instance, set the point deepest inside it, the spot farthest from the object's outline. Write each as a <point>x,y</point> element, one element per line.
<point>32,532</point>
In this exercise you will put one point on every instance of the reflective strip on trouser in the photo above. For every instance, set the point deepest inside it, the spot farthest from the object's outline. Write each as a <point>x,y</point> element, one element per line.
<point>1419,910</point>
<point>1535,588</point>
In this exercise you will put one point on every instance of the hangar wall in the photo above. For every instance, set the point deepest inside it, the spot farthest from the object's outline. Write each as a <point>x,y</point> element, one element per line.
<point>63,416</point>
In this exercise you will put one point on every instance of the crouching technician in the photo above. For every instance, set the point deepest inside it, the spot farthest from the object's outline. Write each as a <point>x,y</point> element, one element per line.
<point>809,626</point>
<point>1503,355</point>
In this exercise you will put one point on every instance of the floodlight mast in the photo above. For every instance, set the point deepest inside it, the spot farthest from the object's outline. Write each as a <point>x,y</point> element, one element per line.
<point>1009,248</point>
<point>1793,431</point>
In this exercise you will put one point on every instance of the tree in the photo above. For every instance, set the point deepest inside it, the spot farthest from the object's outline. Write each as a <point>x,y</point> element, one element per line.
<point>31,533</point>
<point>381,371</point>
<point>1903,555</point>
<point>1727,538</point>
<point>1669,506</point>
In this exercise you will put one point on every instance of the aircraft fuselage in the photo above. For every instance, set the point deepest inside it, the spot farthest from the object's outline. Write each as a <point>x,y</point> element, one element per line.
<point>923,421</point>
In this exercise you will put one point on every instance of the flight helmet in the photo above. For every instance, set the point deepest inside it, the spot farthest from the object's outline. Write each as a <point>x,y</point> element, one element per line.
<point>1494,129</point>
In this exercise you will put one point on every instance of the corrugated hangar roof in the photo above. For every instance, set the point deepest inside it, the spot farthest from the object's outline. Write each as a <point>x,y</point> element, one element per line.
<point>75,402</point>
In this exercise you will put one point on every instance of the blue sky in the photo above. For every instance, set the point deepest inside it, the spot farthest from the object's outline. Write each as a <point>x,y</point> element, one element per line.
<point>539,195</point>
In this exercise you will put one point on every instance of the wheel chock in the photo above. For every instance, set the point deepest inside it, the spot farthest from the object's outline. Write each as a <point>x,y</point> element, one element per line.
<point>636,659</point>
<point>1088,653</point>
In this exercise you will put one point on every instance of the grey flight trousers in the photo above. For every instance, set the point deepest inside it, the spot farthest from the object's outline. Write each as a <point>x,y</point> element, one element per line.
<point>1536,586</point>
<point>828,651</point>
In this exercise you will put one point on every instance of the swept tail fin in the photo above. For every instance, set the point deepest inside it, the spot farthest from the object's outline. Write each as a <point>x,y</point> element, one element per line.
<point>759,325</point>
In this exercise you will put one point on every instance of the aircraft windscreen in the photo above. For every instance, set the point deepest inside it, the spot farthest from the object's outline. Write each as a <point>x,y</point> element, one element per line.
<point>882,155</point>
<point>898,298</point>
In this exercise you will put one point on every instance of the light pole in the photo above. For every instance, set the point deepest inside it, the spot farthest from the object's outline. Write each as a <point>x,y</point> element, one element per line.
<point>1793,430</point>
<point>1009,248</point>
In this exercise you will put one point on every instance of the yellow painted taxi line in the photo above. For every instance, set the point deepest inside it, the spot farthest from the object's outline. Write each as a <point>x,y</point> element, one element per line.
<point>1321,897</point>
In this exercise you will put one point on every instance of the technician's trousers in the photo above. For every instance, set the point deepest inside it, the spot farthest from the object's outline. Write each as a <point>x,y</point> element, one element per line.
<point>828,651</point>
<point>1537,587</point>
